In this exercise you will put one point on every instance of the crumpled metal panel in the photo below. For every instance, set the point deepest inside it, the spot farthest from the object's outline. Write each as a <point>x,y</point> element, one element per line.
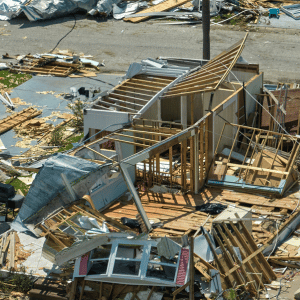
<point>105,6</point>
<point>48,183</point>
<point>46,9</point>
<point>10,8</point>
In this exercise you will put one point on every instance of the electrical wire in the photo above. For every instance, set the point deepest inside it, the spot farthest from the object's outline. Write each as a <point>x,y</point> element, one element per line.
<point>65,34</point>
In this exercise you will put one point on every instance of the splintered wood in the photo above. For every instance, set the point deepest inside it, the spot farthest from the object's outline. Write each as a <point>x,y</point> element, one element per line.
<point>12,253</point>
<point>18,118</point>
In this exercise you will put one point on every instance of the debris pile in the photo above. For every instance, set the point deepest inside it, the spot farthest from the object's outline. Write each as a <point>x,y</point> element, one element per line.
<point>53,64</point>
<point>183,11</point>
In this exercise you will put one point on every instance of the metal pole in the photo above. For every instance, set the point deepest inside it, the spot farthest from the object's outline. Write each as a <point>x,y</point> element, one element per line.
<point>206,28</point>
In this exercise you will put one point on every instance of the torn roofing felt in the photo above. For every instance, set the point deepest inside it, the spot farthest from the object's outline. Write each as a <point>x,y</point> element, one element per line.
<point>48,184</point>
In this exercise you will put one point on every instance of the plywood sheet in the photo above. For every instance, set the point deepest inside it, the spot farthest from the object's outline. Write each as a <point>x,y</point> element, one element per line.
<point>165,6</point>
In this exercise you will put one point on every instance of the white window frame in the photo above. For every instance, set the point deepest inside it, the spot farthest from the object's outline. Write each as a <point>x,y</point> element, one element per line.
<point>109,276</point>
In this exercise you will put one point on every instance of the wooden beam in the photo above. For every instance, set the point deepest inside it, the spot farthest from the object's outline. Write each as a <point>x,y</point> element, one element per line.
<point>251,168</point>
<point>130,143</point>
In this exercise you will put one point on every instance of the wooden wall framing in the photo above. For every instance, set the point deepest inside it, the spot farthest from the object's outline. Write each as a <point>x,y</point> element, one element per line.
<point>261,165</point>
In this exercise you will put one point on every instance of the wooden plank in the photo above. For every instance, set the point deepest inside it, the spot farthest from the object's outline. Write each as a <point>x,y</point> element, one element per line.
<point>82,289</point>
<point>4,246</point>
<point>165,6</point>
<point>127,142</point>
<point>221,268</point>
<point>148,132</point>
<point>251,168</point>
<point>12,251</point>
<point>183,164</point>
<point>229,261</point>
<point>116,105</point>
<point>284,263</point>
<point>73,289</point>
<point>136,138</point>
<point>123,102</point>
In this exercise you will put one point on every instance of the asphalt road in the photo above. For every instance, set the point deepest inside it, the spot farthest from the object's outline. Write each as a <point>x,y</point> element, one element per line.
<point>119,43</point>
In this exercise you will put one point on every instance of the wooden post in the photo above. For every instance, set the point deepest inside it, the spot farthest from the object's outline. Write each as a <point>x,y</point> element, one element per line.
<point>196,161</point>
<point>82,289</point>
<point>73,289</point>
<point>100,290</point>
<point>192,164</point>
<point>201,163</point>
<point>183,163</point>
<point>171,164</point>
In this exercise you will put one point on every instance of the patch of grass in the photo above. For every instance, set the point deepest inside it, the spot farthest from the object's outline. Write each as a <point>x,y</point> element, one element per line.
<point>23,282</point>
<point>12,80</point>
<point>69,141</point>
<point>18,185</point>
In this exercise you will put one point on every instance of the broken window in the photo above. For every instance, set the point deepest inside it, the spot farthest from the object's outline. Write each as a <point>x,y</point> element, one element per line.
<point>128,260</point>
<point>160,267</point>
<point>99,260</point>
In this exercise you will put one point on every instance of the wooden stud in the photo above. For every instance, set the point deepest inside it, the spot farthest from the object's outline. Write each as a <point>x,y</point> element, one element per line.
<point>82,289</point>
<point>233,254</point>
<point>183,164</point>
<point>100,290</point>
<point>248,264</point>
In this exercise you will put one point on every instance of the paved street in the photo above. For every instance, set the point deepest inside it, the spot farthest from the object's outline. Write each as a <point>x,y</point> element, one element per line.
<point>120,43</point>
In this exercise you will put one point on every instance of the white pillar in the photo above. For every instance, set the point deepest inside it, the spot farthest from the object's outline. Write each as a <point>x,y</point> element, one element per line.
<point>183,111</point>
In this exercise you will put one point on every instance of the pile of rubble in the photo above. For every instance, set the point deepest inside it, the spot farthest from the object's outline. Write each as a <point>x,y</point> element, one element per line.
<point>182,188</point>
<point>183,11</point>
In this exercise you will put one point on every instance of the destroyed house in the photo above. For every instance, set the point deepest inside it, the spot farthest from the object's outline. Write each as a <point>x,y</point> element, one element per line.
<point>175,183</point>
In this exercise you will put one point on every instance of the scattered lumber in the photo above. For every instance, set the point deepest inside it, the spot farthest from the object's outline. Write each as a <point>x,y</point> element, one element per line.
<point>18,118</point>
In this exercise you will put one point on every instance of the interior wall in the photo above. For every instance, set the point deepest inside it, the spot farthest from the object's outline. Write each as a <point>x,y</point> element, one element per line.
<point>170,109</point>
<point>152,112</point>
<point>198,108</point>
<point>100,119</point>
<point>253,88</point>
<point>243,76</point>
<point>219,97</point>
<point>228,114</point>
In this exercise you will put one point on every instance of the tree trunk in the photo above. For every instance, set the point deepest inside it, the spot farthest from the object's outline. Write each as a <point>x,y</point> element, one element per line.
<point>206,28</point>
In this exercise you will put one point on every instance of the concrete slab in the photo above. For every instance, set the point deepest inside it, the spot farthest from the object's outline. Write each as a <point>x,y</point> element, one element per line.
<point>50,102</point>
<point>35,263</point>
